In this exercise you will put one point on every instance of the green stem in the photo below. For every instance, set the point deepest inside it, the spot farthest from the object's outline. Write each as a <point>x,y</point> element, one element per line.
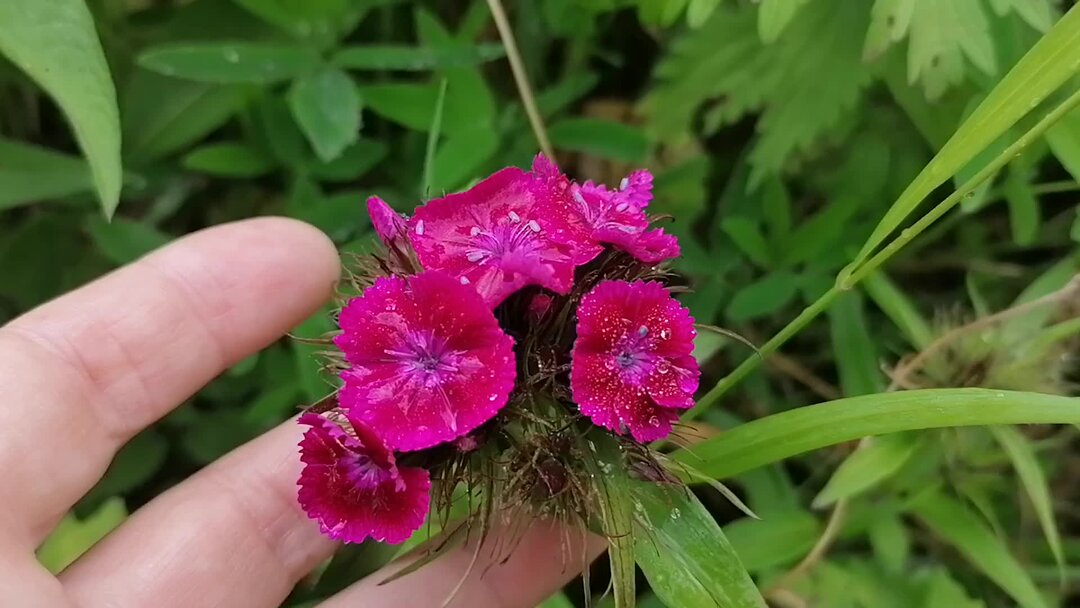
<point>859,273</point>
<point>433,139</point>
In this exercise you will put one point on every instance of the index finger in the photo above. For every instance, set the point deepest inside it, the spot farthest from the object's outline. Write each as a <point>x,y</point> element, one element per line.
<point>83,373</point>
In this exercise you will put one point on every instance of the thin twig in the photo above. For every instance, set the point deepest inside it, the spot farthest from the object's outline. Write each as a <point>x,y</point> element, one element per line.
<point>517,66</point>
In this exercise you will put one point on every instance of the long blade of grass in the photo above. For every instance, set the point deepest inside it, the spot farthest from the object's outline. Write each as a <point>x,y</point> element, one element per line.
<point>433,139</point>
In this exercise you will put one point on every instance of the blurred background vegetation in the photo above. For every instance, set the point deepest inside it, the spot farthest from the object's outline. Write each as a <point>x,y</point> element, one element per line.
<point>779,132</point>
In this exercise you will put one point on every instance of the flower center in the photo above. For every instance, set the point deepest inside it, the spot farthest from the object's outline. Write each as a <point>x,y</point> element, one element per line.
<point>508,241</point>
<point>425,356</point>
<point>365,473</point>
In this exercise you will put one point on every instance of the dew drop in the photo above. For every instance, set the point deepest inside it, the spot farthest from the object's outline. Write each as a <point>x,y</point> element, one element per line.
<point>493,397</point>
<point>231,55</point>
<point>662,366</point>
<point>643,331</point>
<point>621,207</point>
<point>624,184</point>
<point>420,227</point>
<point>665,333</point>
<point>676,513</point>
<point>464,280</point>
<point>654,421</point>
<point>577,197</point>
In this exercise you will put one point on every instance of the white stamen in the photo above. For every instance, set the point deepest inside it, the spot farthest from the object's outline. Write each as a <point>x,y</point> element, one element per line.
<point>621,207</point>
<point>475,256</point>
<point>475,231</point>
<point>577,197</point>
<point>514,217</point>
<point>624,184</point>
<point>534,226</point>
<point>464,280</point>
<point>420,227</point>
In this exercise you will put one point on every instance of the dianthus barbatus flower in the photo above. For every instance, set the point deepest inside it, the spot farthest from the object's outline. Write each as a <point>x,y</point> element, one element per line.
<point>352,486</point>
<point>496,236</point>
<point>427,360</point>
<point>596,215</point>
<point>632,367</point>
<point>390,226</point>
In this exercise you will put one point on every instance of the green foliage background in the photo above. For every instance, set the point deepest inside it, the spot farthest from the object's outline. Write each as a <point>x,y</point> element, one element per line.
<point>780,131</point>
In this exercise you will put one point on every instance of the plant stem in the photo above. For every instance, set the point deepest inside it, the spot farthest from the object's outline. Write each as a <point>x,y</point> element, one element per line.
<point>517,66</point>
<point>433,139</point>
<point>859,273</point>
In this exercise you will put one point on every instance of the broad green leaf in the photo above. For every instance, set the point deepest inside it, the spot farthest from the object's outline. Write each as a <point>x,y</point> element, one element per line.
<point>411,58</point>
<point>958,526</point>
<point>326,105</point>
<point>889,23</point>
<point>354,162</point>
<point>774,15</point>
<point>944,592</point>
<point>565,92</point>
<point>699,11</point>
<point>780,539</point>
<point>891,542</point>
<point>276,130</point>
<point>786,434</point>
<point>56,45</point>
<point>230,159</point>
<point>600,137</point>
<point>1039,14</point>
<point>763,297</point>
<point>899,308</point>
<point>123,240</point>
<point>1064,140</point>
<point>73,537</point>
<point>460,157</point>
<point>1032,477</point>
<point>747,236</point>
<point>1048,65</point>
<point>29,174</point>
<point>433,140</point>
<point>685,555</point>
<point>230,62</point>
<point>943,34</point>
<point>160,115</point>
<point>868,466</point>
<point>319,19</point>
<point>856,353</point>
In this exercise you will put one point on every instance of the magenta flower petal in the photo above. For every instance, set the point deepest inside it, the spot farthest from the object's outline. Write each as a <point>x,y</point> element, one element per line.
<point>428,361</point>
<point>389,225</point>
<point>637,187</point>
<point>352,486</point>
<point>632,365</point>
<point>651,246</point>
<point>495,236</point>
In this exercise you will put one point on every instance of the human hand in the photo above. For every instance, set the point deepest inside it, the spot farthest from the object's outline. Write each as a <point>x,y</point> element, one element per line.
<point>82,374</point>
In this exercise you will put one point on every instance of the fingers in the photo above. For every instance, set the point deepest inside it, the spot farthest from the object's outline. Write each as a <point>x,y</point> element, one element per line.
<point>547,557</point>
<point>83,373</point>
<point>232,535</point>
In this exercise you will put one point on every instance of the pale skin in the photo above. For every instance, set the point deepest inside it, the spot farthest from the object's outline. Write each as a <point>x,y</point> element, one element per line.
<point>81,375</point>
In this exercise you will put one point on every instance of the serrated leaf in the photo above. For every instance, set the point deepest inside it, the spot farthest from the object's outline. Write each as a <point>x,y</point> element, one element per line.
<point>123,240</point>
<point>774,15</point>
<point>856,353</point>
<point>958,526</point>
<point>1039,14</point>
<point>943,33</point>
<point>600,137</point>
<point>56,45</point>
<point>258,63</point>
<point>763,297</point>
<point>1033,479</point>
<point>899,308</point>
<point>779,436</point>
<point>326,105</point>
<point>889,22</point>
<point>684,554</point>
<point>230,159</point>
<point>868,466</point>
<point>29,174</point>
<point>1039,73</point>
<point>414,58</point>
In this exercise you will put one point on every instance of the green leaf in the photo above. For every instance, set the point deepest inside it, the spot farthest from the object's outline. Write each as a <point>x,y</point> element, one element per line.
<point>29,174</point>
<point>307,18</point>
<point>160,115</point>
<point>410,58</point>
<point>684,554</point>
<point>868,466</point>
<point>774,15</point>
<point>786,434</point>
<point>72,537</point>
<point>410,105</point>
<point>780,539</point>
<point>889,23</point>
<point>599,137</point>
<point>747,236</point>
<point>943,33</point>
<point>763,297</point>
<point>230,62</point>
<point>616,508</point>
<point>1024,210</point>
<point>944,592</point>
<point>559,600</point>
<point>1047,66</point>
<point>891,542</point>
<point>123,240</point>
<point>899,308</point>
<point>133,465</point>
<point>958,526</point>
<point>460,157</point>
<point>354,162</point>
<point>326,105</point>
<point>229,159</point>
<point>856,352</point>
<point>1032,477</point>
<point>55,43</point>
<point>1039,14</point>
<point>1064,140</point>
<point>433,140</point>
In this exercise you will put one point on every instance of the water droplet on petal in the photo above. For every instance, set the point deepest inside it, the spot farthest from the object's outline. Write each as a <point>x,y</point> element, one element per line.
<point>624,184</point>
<point>643,331</point>
<point>654,421</point>
<point>420,227</point>
<point>464,280</point>
<point>665,333</point>
<point>621,207</point>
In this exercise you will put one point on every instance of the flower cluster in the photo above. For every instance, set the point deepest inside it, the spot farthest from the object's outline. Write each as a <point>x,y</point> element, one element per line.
<point>493,332</point>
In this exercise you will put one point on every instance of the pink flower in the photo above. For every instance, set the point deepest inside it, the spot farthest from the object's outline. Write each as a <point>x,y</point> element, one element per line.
<point>389,225</point>
<point>496,236</point>
<point>632,364</point>
<point>351,485</point>
<point>428,361</point>
<point>594,215</point>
